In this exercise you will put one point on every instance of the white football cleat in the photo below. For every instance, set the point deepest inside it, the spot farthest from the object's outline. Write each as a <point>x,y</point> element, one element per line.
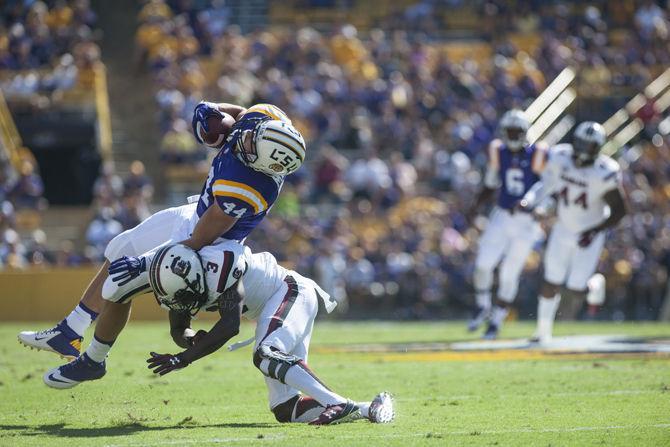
<point>59,339</point>
<point>382,409</point>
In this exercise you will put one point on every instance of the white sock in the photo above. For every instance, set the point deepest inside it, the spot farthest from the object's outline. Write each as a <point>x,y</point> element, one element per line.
<point>98,350</point>
<point>80,319</point>
<point>483,299</point>
<point>365,408</point>
<point>546,312</point>
<point>498,314</point>
<point>303,379</point>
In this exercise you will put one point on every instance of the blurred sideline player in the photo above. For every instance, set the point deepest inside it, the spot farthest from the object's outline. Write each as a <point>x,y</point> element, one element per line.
<point>283,302</point>
<point>588,192</point>
<point>513,167</point>
<point>244,181</point>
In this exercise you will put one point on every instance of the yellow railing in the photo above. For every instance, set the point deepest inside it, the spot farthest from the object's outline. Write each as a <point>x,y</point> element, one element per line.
<point>10,140</point>
<point>102,111</point>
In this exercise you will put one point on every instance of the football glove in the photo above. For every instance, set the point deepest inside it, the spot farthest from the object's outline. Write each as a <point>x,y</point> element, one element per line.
<point>586,237</point>
<point>125,269</point>
<point>201,113</point>
<point>165,363</point>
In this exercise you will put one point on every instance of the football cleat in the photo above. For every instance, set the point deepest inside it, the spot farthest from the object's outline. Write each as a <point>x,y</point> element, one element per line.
<point>60,339</point>
<point>491,332</point>
<point>382,409</point>
<point>338,414</point>
<point>480,315</point>
<point>72,374</point>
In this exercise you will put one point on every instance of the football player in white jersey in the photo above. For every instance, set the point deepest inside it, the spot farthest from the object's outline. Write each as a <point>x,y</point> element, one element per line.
<point>514,166</point>
<point>587,188</point>
<point>283,302</point>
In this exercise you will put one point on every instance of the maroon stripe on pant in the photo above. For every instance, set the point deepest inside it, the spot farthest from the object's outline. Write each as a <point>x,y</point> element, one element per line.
<point>284,307</point>
<point>225,271</point>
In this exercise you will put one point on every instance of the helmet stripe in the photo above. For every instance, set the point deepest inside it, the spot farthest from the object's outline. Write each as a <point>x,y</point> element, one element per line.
<point>290,148</point>
<point>287,134</point>
<point>154,277</point>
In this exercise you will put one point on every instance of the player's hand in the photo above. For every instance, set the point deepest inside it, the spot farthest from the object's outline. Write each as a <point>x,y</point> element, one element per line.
<point>125,269</point>
<point>586,237</point>
<point>201,113</point>
<point>522,206</point>
<point>165,363</point>
<point>196,338</point>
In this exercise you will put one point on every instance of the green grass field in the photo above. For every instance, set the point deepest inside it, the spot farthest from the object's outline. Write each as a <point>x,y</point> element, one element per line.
<point>221,400</point>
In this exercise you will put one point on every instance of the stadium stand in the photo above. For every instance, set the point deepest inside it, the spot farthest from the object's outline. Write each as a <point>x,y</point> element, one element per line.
<point>397,104</point>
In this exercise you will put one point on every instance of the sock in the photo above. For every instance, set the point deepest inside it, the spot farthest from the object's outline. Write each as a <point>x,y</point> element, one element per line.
<point>306,410</point>
<point>365,408</point>
<point>302,378</point>
<point>546,312</point>
<point>98,349</point>
<point>498,314</point>
<point>483,299</point>
<point>80,319</point>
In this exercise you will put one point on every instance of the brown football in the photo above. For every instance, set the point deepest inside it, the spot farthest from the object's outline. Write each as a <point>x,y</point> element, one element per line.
<point>219,128</point>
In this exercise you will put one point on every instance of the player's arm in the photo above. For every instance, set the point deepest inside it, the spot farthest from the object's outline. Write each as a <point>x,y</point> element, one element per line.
<point>213,223</point>
<point>618,209</point>
<point>180,329</point>
<point>228,326</point>
<point>491,178</point>
<point>231,109</point>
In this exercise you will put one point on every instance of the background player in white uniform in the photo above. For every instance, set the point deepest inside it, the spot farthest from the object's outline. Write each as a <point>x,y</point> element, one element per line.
<point>589,196</point>
<point>513,167</point>
<point>283,302</point>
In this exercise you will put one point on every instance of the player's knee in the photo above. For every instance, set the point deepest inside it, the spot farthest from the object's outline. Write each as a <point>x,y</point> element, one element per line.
<point>548,289</point>
<point>284,411</point>
<point>273,363</point>
<point>483,277</point>
<point>119,246</point>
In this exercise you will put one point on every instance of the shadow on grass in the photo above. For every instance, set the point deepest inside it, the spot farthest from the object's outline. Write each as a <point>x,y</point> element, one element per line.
<point>124,429</point>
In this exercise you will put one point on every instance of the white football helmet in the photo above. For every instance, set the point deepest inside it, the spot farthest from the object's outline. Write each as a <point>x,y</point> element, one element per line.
<point>177,278</point>
<point>513,127</point>
<point>277,148</point>
<point>587,140</point>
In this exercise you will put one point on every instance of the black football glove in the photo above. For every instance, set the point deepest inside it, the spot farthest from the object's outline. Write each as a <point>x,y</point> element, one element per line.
<point>586,238</point>
<point>125,269</point>
<point>165,363</point>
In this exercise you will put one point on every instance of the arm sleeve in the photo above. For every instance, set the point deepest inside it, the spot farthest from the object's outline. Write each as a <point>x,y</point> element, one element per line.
<point>544,187</point>
<point>492,174</point>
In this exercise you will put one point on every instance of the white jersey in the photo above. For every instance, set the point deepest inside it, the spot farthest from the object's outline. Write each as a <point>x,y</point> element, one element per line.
<point>264,277</point>
<point>580,190</point>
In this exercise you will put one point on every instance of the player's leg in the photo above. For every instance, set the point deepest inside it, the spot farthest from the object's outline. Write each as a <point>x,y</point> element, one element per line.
<point>581,280</point>
<point>557,257</point>
<point>286,331</point>
<point>508,283</point>
<point>492,245</point>
<point>65,338</point>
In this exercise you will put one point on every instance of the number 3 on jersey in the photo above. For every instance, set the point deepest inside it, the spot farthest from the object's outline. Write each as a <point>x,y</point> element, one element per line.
<point>229,208</point>
<point>514,182</point>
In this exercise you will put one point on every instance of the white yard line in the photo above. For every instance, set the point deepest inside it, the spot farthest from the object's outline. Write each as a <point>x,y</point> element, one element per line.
<point>525,396</point>
<point>440,434</point>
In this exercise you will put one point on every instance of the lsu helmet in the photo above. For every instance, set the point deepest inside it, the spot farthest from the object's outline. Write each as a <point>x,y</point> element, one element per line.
<point>587,140</point>
<point>276,148</point>
<point>513,127</point>
<point>177,278</point>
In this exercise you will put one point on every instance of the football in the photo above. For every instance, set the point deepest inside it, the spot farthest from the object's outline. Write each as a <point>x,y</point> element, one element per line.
<point>219,128</point>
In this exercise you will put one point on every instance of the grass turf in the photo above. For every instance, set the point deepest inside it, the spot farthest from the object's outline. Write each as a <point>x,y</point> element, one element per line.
<point>222,399</point>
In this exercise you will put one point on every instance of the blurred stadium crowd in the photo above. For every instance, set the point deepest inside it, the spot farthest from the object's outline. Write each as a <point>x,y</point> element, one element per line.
<point>396,132</point>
